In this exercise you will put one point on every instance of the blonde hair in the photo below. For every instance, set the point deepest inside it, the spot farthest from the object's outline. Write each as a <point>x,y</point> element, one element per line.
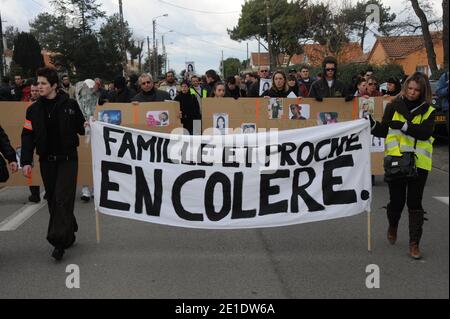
<point>424,84</point>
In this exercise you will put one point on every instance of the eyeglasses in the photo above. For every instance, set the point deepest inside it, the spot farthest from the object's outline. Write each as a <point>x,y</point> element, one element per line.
<point>264,71</point>
<point>371,83</point>
<point>147,82</point>
<point>332,69</point>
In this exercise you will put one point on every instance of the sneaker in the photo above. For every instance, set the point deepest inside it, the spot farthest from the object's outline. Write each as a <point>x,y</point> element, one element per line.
<point>85,194</point>
<point>414,251</point>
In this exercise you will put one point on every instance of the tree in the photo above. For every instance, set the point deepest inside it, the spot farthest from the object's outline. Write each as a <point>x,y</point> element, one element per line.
<point>426,36</point>
<point>356,16</point>
<point>445,31</point>
<point>290,25</point>
<point>48,29</point>
<point>27,53</point>
<point>84,13</point>
<point>136,52</point>
<point>231,66</point>
<point>149,67</point>
<point>10,34</point>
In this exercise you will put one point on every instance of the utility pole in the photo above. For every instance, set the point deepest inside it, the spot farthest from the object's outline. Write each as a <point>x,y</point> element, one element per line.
<point>149,56</point>
<point>155,54</point>
<point>122,32</point>
<point>269,35</point>
<point>164,53</point>
<point>1,48</point>
<point>223,67</point>
<point>247,62</point>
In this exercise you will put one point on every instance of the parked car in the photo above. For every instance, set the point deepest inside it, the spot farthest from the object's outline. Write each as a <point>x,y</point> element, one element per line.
<point>440,129</point>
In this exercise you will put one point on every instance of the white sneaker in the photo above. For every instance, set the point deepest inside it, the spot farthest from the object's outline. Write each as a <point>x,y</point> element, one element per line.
<point>85,194</point>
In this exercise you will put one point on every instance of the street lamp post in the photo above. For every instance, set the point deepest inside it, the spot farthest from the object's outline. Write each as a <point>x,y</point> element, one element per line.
<point>164,49</point>
<point>155,49</point>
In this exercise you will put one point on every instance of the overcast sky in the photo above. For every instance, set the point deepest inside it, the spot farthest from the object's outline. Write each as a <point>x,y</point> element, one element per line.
<point>199,27</point>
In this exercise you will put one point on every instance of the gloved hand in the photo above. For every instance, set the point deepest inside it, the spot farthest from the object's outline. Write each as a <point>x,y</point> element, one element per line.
<point>319,99</point>
<point>396,125</point>
<point>348,98</point>
<point>369,117</point>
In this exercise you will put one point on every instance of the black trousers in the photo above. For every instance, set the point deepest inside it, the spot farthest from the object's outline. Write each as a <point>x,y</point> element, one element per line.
<point>411,193</point>
<point>60,181</point>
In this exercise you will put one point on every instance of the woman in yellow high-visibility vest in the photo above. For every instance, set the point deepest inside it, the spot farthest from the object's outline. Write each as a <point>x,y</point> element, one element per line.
<point>408,125</point>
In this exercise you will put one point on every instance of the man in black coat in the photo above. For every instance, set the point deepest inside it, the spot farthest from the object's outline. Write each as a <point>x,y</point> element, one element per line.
<point>148,91</point>
<point>51,127</point>
<point>7,151</point>
<point>329,85</point>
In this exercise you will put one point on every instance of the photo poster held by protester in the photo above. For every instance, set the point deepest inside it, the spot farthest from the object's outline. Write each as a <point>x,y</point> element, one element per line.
<point>376,144</point>
<point>275,108</point>
<point>267,179</point>
<point>324,118</point>
<point>172,90</point>
<point>110,116</point>
<point>299,111</point>
<point>366,106</point>
<point>264,85</point>
<point>190,67</point>
<point>157,118</point>
<point>220,123</point>
<point>248,128</point>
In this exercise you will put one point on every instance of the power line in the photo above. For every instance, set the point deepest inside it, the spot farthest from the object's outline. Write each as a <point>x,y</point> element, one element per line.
<point>198,11</point>
<point>208,42</point>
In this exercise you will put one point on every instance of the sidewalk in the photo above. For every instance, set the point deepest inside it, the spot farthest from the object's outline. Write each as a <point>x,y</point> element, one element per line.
<point>440,156</point>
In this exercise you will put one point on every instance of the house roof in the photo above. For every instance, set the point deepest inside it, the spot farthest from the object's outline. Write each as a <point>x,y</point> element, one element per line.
<point>314,55</point>
<point>401,46</point>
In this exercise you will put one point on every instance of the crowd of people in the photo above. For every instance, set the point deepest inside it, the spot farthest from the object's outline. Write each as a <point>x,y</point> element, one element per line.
<point>55,119</point>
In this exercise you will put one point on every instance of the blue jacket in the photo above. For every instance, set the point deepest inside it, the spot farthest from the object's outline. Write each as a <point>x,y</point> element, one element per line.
<point>442,90</point>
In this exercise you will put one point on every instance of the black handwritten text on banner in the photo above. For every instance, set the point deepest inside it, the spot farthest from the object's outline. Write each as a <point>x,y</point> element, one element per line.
<point>233,181</point>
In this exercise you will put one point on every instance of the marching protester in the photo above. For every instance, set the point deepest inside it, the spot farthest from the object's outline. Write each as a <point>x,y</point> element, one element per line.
<point>35,190</point>
<point>372,87</point>
<point>9,154</point>
<point>442,93</point>
<point>218,90</point>
<point>17,88</point>
<point>393,87</point>
<point>148,91</point>
<point>408,125</point>
<point>196,89</point>
<point>329,85</point>
<point>293,85</point>
<point>232,89</point>
<point>211,79</point>
<point>5,90</point>
<point>51,127</point>
<point>361,86</point>
<point>67,86</point>
<point>122,93</point>
<point>169,83</point>
<point>263,73</point>
<point>304,81</point>
<point>189,107</point>
<point>279,86</point>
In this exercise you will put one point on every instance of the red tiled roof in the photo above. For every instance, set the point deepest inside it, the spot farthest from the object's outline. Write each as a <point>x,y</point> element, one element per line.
<point>401,46</point>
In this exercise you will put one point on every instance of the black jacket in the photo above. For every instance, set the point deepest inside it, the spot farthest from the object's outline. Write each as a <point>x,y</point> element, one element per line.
<point>34,133</point>
<point>5,147</point>
<point>421,131</point>
<point>320,89</point>
<point>154,95</point>
<point>189,106</point>
<point>123,96</point>
<point>273,92</point>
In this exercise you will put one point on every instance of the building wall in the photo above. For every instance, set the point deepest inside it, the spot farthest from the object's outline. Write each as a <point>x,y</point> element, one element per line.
<point>419,59</point>
<point>378,56</point>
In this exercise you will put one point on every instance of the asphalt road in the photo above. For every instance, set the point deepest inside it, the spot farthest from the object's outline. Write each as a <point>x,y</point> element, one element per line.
<point>140,260</point>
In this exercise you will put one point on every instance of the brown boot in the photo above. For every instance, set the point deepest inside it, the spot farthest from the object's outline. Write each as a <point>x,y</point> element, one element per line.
<point>392,235</point>
<point>414,251</point>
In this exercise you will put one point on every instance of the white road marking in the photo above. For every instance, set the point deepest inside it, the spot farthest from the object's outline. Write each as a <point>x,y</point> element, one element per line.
<point>442,199</point>
<point>21,215</point>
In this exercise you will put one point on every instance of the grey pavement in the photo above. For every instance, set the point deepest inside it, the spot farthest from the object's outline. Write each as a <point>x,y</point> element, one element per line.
<point>326,259</point>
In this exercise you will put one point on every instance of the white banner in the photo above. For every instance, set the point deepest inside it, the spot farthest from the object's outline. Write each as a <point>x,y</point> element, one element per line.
<point>265,179</point>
